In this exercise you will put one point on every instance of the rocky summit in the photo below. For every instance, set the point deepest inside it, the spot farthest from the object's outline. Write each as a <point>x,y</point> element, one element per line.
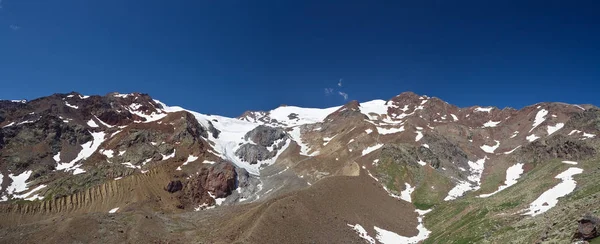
<point>126,168</point>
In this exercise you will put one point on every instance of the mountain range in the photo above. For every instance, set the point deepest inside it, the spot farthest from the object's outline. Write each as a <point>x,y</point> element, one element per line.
<point>411,169</point>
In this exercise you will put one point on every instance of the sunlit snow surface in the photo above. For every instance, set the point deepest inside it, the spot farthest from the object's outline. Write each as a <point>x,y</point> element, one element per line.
<point>491,124</point>
<point>371,149</point>
<point>362,233</point>
<point>552,129</point>
<point>570,162</point>
<point>87,150</point>
<point>490,149</point>
<point>487,110</point>
<point>532,138</point>
<point>305,115</point>
<point>388,237</point>
<point>419,135</point>
<point>472,183</point>
<point>191,158</point>
<point>549,198</point>
<point>386,131</point>
<point>234,130</point>
<point>511,151</point>
<point>18,182</point>
<point>92,123</point>
<point>454,117</point>
<point>540,117</point>
<point>406,194</point>
<point>377,107</point>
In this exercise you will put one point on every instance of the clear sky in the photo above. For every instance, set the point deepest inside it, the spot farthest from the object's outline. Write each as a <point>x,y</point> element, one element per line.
<point>228,56</point>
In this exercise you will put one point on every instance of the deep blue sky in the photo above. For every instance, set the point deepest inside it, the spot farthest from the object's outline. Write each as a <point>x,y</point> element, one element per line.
<point>226,56</point>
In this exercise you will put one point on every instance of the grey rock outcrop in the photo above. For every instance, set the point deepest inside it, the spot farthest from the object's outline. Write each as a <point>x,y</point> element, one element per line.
<point>265,136</point>
<point>253,153</point>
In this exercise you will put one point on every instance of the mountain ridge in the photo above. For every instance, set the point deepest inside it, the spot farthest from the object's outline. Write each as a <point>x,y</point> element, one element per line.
<point>74,154</point>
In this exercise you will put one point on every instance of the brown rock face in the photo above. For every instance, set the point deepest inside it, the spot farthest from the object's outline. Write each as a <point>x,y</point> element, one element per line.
<point>174,186</point>
<point>218,179</point>
<point>221,179</point>
<point>589,228</point>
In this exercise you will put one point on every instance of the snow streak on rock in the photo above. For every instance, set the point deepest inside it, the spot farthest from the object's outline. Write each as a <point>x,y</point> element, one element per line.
<point>540,117</point>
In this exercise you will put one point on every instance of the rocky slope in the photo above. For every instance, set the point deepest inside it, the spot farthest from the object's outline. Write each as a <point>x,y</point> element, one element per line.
<point>405,170</point>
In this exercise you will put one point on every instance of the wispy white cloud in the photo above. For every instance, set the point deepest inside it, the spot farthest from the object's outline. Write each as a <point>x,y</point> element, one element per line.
<point>328,91</point>
<point>344,95</point>
<point>340,82</point>
<point>14,27</point>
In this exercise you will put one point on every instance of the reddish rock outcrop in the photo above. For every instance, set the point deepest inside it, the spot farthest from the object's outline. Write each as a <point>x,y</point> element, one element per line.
<point>219,179</point>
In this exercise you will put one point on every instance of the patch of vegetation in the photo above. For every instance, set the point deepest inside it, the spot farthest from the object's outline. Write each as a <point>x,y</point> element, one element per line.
<point>496,219</point>
<point>392,173</point>
<point>432,189</point>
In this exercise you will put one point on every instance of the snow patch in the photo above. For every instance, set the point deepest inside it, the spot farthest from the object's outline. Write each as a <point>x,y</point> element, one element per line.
<point>108,153</point>
<point>87,150</point>
<point>549,198</point>
<point>388,237</point>
<point>172,155</point>
<point>570,162</point>
<point>454,117</point>
<point>71,106</point>
<point>426,145</point>
<point>102,122</point>
<point>304,115</point>
<point>218,201</point>
<point>369,131</point>
<point>114,210</point>
<point>27,195</point>
<point>386,131</point>
<point>511,151</point>
<point>326,140</point>
<point>552,129</point>
<point>472,183</point>
<point>8,125</point>
<point>371,149</point>
<point>540,117</point>
<point>419,135</point>
<point>491,124</point>
<point>362,233</point>
<point>589,135</point>
<point>532,137</point>
<point>304,148</point>
<point>92,123</point>
<point>57,157</point>
<point>18,182</point>
<point>513,173</point>
<point>490,149</point>
<point>191,158</point>
<point>405,195</point>
<point>377,107</point>
<point>480,109</point>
